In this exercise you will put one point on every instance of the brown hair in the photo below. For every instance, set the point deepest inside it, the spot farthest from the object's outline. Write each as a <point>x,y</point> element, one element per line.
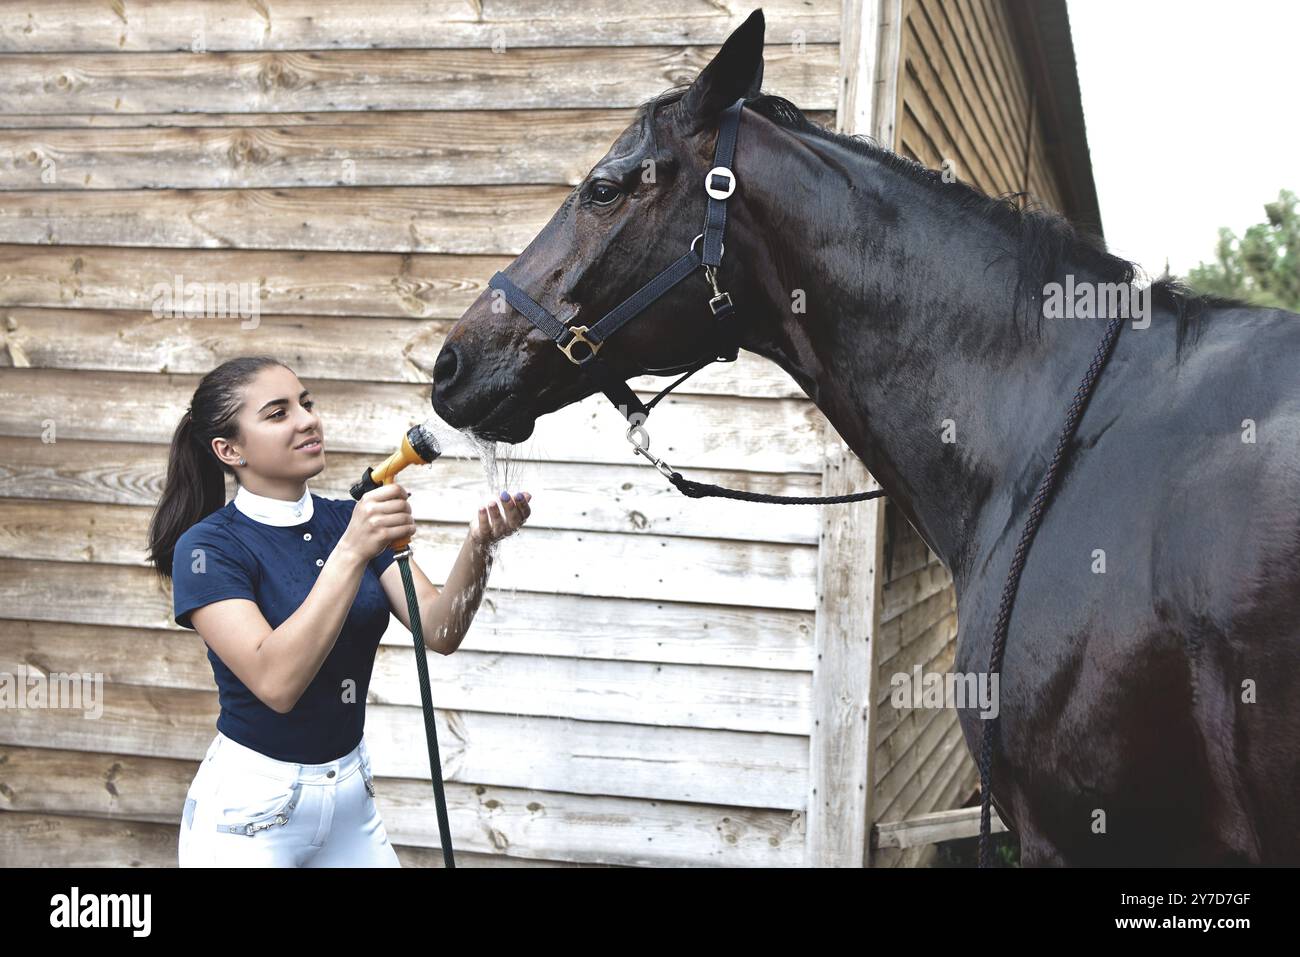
<point>196,485</point>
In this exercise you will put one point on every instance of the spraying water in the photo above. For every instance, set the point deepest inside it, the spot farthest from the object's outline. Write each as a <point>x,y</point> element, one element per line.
<point>498,465</point>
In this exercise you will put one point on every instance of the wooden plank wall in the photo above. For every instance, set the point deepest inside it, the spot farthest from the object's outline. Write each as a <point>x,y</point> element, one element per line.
<point>636,688</point>
<point>961,97</point>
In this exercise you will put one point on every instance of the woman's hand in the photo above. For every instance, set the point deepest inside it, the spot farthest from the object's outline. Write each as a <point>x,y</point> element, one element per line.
<point>498,519</point>
<point>380,517</point>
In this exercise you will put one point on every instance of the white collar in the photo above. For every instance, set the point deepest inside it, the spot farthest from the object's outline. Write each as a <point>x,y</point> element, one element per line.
<point>274,511</point>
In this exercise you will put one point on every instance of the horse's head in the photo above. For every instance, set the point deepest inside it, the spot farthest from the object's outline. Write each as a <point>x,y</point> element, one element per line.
<point>635,212</point>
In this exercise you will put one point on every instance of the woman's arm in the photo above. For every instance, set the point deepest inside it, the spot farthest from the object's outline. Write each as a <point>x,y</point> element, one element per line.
<point>446,614</point>
<point>278,664</point>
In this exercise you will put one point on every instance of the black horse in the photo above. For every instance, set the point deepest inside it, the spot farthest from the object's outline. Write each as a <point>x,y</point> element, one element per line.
<point>1149,692</point>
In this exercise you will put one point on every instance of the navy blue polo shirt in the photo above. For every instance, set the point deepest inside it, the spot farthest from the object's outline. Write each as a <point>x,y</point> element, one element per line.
<point>229,555</point>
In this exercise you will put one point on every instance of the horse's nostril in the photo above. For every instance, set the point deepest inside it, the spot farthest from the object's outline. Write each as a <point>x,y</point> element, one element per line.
<point>444,369</point>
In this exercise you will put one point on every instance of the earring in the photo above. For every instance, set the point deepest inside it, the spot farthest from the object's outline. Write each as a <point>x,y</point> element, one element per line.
<point>242,462</point>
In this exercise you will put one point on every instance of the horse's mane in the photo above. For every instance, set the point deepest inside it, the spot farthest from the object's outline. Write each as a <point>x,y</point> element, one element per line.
<point>1045,240</point>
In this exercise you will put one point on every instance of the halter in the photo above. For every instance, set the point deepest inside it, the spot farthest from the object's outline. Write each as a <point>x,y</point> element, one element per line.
<point>719,184</point>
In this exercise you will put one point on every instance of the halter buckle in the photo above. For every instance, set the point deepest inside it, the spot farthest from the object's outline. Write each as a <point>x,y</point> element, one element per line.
<point>719,192</point>
<point>578,336</point>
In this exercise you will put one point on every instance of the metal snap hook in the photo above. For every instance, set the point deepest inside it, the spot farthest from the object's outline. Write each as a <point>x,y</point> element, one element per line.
<point>711,274</point>
<point>643,448</point>
<point>643,445</point>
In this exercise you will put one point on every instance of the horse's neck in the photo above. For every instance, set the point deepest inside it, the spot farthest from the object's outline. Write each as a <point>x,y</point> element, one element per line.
<point>911,349</point>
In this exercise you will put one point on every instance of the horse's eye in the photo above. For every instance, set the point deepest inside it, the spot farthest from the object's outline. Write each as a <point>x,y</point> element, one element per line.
<point>603,193</point>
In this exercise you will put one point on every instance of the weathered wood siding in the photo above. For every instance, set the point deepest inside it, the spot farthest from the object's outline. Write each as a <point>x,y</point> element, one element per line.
<point>963,98</point>
<point>636,687</point>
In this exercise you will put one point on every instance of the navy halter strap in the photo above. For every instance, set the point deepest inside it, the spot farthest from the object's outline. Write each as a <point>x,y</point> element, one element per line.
<point>719,184</point>
<point>722,336</point>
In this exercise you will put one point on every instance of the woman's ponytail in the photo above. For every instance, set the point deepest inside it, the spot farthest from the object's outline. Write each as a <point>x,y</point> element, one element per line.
<point>196,485</point>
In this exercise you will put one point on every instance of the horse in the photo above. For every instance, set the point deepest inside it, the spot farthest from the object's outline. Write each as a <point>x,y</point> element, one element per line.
<point>1147,695</point>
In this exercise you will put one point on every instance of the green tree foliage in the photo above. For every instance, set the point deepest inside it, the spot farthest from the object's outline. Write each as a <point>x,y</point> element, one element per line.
<point>1263,266</point>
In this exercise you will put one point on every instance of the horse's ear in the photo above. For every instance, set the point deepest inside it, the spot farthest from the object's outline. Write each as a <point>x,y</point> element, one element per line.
<point>735,71</point>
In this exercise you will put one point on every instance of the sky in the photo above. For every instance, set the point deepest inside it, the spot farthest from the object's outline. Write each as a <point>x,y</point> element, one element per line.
<point>1191,111</point>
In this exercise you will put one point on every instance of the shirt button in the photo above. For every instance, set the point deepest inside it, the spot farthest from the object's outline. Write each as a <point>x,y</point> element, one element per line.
<point>306,536</point>
<point>320,562</point>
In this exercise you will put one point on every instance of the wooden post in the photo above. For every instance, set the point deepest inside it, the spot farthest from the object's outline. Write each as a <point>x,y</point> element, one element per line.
<point>841,765</point>
<point>851,549</point>
<point>859,48</point>
<point>884,118</point>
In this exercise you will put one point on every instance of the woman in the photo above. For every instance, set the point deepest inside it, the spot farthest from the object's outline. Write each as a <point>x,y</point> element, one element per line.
<point>291,593</point>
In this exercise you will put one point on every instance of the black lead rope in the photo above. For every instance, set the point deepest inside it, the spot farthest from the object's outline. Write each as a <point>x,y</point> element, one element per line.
<point>704,490</point>
<point>693,489</point>
<point>1036,510</point>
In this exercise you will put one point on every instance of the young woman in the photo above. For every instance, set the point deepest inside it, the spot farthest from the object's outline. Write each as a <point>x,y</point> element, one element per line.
<point>291,593</point>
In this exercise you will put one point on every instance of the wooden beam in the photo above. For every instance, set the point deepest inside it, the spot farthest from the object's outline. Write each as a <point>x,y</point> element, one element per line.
<point>858,60</point>
<point>885,119</point>
<point>847,615</point>
<point>851,557</point>
<point>933,828</point>
<point>72,26</point>
<point>574,77</point>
